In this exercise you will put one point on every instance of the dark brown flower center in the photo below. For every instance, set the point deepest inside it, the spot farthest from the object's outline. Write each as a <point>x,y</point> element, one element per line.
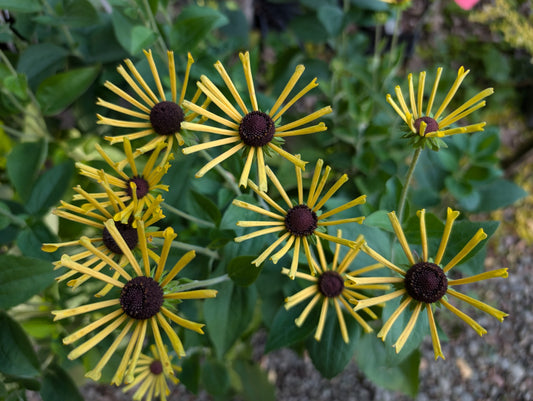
<point>301,221</point>
<point>141,298</point>
<point>166,118</point>
<point>330,284</point>
<point>256,129</point>
<point>142,187</point>
<point>126,231</point>
<point>156,367</point>
<point>426,282</point>
<point>431,125</point>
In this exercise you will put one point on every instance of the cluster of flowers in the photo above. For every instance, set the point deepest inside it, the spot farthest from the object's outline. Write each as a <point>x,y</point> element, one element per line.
<point>125,213</point>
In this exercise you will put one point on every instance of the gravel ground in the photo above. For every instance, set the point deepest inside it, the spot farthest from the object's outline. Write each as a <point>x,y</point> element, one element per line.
<point>497,366</point>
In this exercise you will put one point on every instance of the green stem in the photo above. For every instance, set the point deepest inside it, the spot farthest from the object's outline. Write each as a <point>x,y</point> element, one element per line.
<point>408,178</point>
<point>395,35</point>
<point>15,219</point>
<point>153,25</point>
<point>188,247</point>
<point>187,216</point>
<point>202,283</point>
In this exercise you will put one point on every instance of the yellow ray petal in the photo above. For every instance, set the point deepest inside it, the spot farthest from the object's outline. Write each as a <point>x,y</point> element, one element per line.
<point>322,319</point>
<point>423,234</point>
<point>471,322</point>
<point>365,303</point>
<point>219,159</point>
<point>450,218</point>
<point>433,91</point>
<point>461,74</point>
<point>392,318</point>
<point>478,277</point>
<point>298,71</point>
<point>245,59</point>
<point>498,314</point>
<point>401,236</point>
<point>437,350</point>
<point>308,87</point>
<point>229,83</point>
<point>476,239</point>
<point>408,329</point>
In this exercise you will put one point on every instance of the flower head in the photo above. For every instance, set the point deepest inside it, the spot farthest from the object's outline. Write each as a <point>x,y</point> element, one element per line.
<point>333,286</point>
<point>299,222</point>
<point>141,301</point>
<point>159,116</point>
<point>426,284</point>
<point>102,239</point>
<point>150,377</point>
<point>427,127</point>
<point>129,192</point>
<point>253,130</point>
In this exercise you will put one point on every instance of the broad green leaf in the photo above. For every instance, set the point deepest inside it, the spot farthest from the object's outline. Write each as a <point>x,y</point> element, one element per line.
<point>17,85</point>
<point>228,315</point>
<point>331,18</point>
<point>255,383</point>
<point>391,373</point>
<point>17,357</point>
<point>21,169</point>
<point>22,277</point>
<point>40,59</point>
<point>58,385</point>
<point>57,92</point>
<point>193,24</point>
<point>79,13</point>
<point>21,6</point>
<point>215,377</point>
<point>207,206</point>
<point>331,354</point>
<point>242,271</point>
<point>190,374</point>
<point>284,332</point>
<point>30,239</point>
<point>4,220</point>
<point>132,36</point>
<point>498,194</point>
<point>50,187</point>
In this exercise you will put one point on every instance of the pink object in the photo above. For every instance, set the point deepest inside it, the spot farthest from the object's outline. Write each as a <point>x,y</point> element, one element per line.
<point>466,4</point>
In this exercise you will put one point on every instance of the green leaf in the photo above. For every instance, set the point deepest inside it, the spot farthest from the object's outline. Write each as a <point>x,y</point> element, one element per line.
<point>17,357</point>
<point>390,373</point>
<point>215,377</point>
<point>131,36</point>
<point>79,14</point>
<point>190,374</point>
<point>58,385</point>
<point>255,383</point>
<point>193,24</point>
<point>284,332</point>
<point>4,220</point>
<point>38,59</point>
<point>22,277</point>
<point>331,354</point>
<point>331,18</point>
<point>242,271</point>
<point>30,239</point>
<point>498,194</point>
<point>17,85</point>
<point>50,187</point>
<point>207,206</point>
<point>22,170</point>
<point>228,315</point>
<point>57,92</point>
<point>21,6</point>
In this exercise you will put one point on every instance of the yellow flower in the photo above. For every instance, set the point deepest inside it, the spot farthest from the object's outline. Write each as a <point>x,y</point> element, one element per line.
<point>103,241</point>
<point>425,283</point>
<point>333,286</point>
<point>129,193</point>
<point>253,130</point>
<point>426,126</point>
<point>150,378</point>
<point>142,302</point>
<point>298,223</point>
<point>159,116</point>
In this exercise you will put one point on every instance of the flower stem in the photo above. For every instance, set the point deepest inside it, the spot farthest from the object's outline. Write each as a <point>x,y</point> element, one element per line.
<point>188,247</point>
<point>202,283</point>
<point>408,177</point>
<point>14,219</point>
<point>187,216</point>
